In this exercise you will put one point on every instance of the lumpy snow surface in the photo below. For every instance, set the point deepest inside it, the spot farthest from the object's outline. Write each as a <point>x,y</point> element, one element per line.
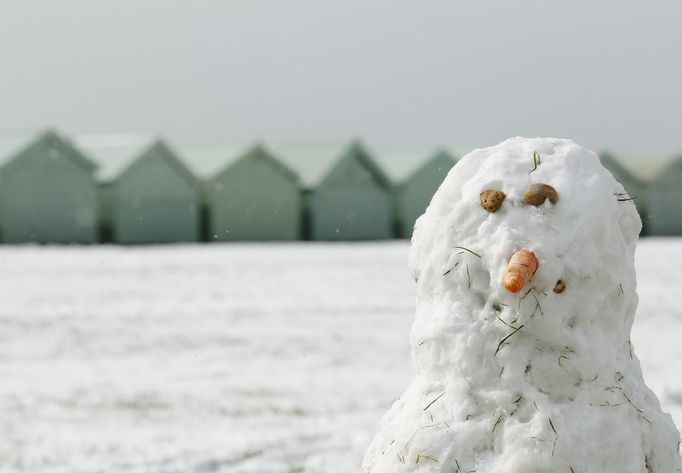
<point>534,382</point>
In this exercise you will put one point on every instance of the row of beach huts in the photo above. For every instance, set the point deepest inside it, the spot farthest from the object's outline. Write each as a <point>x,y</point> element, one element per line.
<point>132,189</point>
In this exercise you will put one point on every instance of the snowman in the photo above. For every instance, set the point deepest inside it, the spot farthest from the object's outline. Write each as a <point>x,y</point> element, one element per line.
<point>524,265</point>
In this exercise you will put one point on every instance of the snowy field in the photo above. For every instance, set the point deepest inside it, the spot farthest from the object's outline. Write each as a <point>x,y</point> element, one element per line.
<point>233,358</point>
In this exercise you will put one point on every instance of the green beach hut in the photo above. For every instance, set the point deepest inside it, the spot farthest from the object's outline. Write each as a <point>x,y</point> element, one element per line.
<point>149,196</point>
<point>664,195</point>
<point>48,192</point>
<point>353,201</point>
<point>414,193</point>
<point>256,197</point>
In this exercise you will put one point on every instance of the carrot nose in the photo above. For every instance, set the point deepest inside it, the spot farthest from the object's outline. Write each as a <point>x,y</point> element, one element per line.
<point>520,269</point>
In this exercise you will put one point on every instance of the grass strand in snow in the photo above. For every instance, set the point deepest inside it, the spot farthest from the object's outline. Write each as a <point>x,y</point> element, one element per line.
<point>467,249</point>
<point>432,402</point>
<point>536,161</point>
<point>499,345</point>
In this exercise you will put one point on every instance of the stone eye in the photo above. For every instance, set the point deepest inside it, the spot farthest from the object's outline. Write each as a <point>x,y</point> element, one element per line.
<point>536,194</point>
<point>491,200</point>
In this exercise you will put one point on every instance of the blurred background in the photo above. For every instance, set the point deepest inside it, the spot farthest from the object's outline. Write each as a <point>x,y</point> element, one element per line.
<point>306,137</point>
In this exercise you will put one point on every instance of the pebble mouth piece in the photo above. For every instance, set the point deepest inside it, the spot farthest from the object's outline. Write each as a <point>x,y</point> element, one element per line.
<point>520,269</point>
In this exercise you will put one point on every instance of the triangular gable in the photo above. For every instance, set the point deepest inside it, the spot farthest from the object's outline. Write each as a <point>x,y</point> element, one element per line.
<point>670,175</point>
<point>159,149</point>
<point>440,159</point>
<point>51,138</point>
<point>356,155</point>
<point>113,153</point>
<point>398,163</point>
<point>309,159</point>
<point>258,152</point>
<point>14,142</point>
<point>73,152</point>
<point>206,160</point>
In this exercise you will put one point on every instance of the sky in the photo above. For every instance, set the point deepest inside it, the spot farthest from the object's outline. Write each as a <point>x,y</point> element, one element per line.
<point>395,72</point>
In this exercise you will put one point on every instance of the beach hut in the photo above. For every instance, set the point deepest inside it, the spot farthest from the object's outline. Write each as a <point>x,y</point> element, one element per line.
<point>663,201</point>
<point>633,186</point>
<point>48,192</point>
<point>257,197</point>
<point>415,192</point>
<point>353,201</point>
<point>148,194</point>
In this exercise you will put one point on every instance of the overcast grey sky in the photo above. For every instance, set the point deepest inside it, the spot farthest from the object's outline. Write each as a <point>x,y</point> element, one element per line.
<point>396,72</point>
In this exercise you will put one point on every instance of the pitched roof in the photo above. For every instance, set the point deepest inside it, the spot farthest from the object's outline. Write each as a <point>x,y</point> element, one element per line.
<point>160,149</point>
<point>643,168</point>
<point>206,160</point>
<point>311,160</point>
<point>113,153</point>
<point>670,173</point>
<point>259,152</point>
<point>12,144</point>
<point>357,153</point>
<point>647,168</point>
<point>440,159</point>
<point>402,164</point>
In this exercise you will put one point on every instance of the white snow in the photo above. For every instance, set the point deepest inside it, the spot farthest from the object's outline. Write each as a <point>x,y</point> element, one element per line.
<point>538,381</point>
<point>233,358</point>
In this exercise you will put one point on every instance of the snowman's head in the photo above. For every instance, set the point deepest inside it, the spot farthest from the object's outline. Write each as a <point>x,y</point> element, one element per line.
<point>557,202</point>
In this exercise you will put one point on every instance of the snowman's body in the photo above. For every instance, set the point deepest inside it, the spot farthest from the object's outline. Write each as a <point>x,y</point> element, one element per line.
<point>539,381</point>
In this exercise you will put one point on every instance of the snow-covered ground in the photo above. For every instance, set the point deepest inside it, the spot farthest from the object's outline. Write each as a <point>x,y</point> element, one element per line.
<point>233,358</point>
